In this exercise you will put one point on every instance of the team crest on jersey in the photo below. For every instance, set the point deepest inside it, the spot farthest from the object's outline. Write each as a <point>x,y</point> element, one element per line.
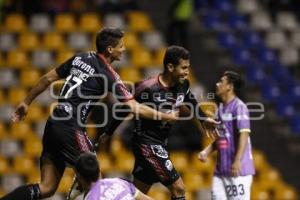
<point>169,165</point>
<point>159,151</point>
<point>179,100</point>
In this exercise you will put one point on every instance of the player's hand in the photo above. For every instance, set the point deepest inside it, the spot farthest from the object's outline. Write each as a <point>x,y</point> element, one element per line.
<point>20,112</point>
<point>173,115</point>
<point>210,128</point>
<point>236,168</point>
<point>202,156</point>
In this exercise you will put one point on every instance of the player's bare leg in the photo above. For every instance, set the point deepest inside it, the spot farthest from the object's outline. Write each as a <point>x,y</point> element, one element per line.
<point>141,186</point>
<point>177,190</point>
<point>50,178</point>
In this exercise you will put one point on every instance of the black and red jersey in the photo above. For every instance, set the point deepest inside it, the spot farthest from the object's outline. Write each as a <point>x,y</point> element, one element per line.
<point>88,78</point>
<point>151,92</point>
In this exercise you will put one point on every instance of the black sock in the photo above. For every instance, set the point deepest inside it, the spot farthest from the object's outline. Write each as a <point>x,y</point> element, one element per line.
<point>25,192</point>
<point>178,198</point>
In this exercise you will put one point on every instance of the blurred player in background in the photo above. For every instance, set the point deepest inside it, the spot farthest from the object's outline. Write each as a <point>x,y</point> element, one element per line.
<point>88,77</point>
<point>87,173</point>
<point>166,92</point>
<point>234,170</point>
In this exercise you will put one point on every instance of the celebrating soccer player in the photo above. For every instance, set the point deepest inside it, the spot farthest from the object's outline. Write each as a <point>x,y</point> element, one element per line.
<point>88,77</point>
<point>166,92</point>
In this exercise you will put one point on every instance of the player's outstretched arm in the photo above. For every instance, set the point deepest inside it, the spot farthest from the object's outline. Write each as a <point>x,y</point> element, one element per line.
<point>41,86</point>
<point>236,165</point>
<point>149,113</point>
<point>203,155</point>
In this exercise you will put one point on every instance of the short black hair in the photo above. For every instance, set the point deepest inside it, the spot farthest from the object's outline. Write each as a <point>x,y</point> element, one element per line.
<point>108,37</point>
<point>236,80</point>
<point>88,167</point>
<point>174,54</point>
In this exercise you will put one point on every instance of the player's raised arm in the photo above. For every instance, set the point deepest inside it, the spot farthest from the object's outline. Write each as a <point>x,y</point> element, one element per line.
<point>206,152</point>
<point>41,86</point>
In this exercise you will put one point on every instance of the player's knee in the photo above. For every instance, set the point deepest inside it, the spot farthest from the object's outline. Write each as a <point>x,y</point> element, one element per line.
<point>47,190</point>
<point>178,189</point>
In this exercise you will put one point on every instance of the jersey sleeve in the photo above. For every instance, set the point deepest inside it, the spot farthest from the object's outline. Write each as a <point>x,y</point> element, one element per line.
<point>64,69</point>
<point>122,93</point>
<point>134,192</point>
<point>243,118</point>
<point>117,87</point>
<point>141,90</point>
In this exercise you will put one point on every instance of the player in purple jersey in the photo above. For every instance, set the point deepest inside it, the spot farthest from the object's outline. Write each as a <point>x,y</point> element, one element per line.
<point>89,76</point>
<point>234,170</point>
<point>87,173</point>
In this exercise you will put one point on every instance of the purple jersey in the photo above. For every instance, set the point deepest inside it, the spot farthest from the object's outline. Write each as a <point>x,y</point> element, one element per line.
<point>235,119</point>
<point>112,189</point>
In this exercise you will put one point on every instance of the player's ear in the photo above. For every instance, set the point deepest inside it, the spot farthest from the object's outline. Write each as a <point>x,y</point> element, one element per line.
<point>109,49</point>
<point>170,67</point>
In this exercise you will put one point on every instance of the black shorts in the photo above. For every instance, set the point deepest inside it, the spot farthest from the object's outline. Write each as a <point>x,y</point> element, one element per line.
<point>152,164</point>
<point>63,143</point>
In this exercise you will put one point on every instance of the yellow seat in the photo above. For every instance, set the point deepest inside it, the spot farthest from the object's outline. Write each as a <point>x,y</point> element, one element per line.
<point>124,161</point>
<point>179,160</point>
<point>286,192</point>
<point>141,58</point>
<point>15,22</point>
<point>16,95</point>
<point>117,146</point>
<point>139,22</point>
<point>2,97</point>
<point>63,56</point>
<point>260,195</point>
<point>159,56</point>
<point>4,166</point>
<point>20,130</point>
<point>33,147</point>
<point>90,23</point>
<point>130,74</point>
<point>131,41</point>
<point>92,132</point>
<point>53,41</point>
<point>65,23</point>
<point>66,181</point>
<point>158,193</point>
<point>260,162</point>
<point>194,180</point>
<point>30,77</point>
<point>29,41</point>
<point>33,177</point>
<point>17,59</point>
<point>36,113</point>
<point>105,161</point>
<point>23,164</point>
<point>3,130</point>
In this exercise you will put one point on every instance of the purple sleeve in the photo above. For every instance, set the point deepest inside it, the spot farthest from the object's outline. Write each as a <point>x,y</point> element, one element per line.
<point>132,188</point>
<point>243,118</point>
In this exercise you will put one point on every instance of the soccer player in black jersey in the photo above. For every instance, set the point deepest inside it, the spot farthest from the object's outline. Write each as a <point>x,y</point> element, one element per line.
<point>166,92</point>
<point>88,77</point>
